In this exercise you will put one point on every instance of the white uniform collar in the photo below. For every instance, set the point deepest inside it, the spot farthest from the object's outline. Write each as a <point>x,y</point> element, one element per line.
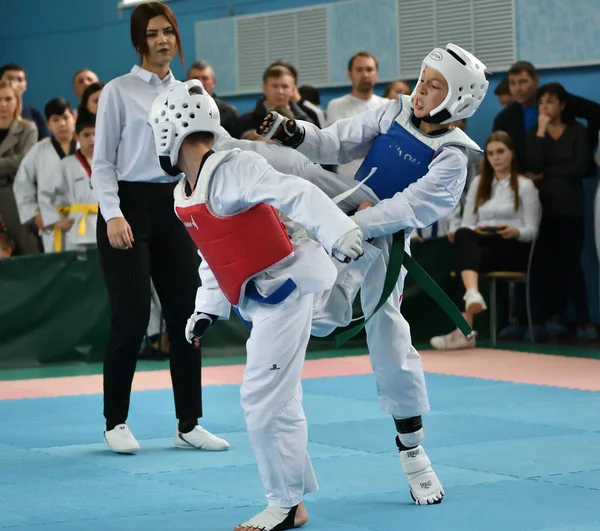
<point>150,77</point>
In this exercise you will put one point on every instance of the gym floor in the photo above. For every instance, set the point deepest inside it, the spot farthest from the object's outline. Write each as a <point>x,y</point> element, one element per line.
<point>514,437</point>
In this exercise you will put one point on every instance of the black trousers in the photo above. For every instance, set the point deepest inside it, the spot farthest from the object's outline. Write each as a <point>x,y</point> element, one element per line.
<point>556,271</point>
<point>488,253</point>
<point>164,251</point>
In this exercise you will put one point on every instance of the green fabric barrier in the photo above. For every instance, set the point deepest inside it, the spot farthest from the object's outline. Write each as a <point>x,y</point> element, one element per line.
<point>54,309</point>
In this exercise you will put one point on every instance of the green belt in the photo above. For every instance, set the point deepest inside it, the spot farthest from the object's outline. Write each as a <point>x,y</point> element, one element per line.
<point>399,258</point>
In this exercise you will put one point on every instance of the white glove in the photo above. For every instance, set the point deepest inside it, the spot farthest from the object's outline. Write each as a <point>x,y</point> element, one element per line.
<point>281,130</point>
<point>196,326</point>
<point>349,246</point>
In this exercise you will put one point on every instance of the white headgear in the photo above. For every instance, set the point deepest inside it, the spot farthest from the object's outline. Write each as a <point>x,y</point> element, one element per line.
<point>186,108</point>
<point>467,84</point>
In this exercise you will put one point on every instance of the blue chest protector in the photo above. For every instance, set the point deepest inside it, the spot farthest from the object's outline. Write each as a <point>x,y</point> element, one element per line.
<point>403,153</point>
<point>402,156</point>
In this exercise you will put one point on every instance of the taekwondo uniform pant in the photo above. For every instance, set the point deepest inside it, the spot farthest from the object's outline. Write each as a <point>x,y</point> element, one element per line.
<point>396,364</point>
<point>271,396</point>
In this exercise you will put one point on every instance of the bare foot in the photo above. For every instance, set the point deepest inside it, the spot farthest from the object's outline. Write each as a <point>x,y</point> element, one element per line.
<point>301,515</point>
<point>300,519</point>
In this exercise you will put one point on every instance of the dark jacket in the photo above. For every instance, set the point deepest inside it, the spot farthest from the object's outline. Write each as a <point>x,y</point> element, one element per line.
<point>229,114</point>
<point>251,120</point>
<point>32,114</point>
<point>511,121</point>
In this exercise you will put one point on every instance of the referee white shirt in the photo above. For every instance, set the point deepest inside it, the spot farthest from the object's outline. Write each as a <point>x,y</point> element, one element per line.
<point>124,146</point>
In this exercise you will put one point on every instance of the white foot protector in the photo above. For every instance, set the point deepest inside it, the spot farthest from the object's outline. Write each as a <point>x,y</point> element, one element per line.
<point>272,519</point>
<point>425,487</point>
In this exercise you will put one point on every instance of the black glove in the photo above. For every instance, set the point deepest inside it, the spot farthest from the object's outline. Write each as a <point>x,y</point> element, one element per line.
<point>281,130</point>
<point>196,326</point>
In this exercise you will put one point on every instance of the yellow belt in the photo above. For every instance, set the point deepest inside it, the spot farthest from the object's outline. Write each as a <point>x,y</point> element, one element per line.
<point>81,208</point>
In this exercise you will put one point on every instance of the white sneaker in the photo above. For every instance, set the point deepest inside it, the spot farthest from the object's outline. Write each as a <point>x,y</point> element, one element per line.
<point>121,440</point>
<point>453,341</point>
<point>474,302</point>
<point>201,439</point>
<point>425,487</point>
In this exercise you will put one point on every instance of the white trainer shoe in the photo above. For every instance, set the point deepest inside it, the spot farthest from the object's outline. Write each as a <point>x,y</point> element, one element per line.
<point>201,439</point>
<point>120,440</point>
<point>425,487</point>
<point>474,302</point>
<point>453,341</point>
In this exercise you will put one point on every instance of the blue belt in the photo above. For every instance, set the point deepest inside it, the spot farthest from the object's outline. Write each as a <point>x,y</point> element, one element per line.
<point>279,295</point>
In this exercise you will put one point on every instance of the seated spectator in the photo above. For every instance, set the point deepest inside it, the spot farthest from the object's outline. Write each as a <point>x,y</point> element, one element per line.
<point>558,151</point>
<point>90,97</point>
<point>499,223</point>
<point>17,137</point>
<point>396,88</point>
<point>7,245</point>
<point>451,223</point>
<point>278,88</point>
<point>18,76</point>
<point>203,71</point>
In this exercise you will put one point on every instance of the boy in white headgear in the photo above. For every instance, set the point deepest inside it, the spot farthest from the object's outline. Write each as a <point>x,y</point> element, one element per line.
<point>227,202</point>
<point>418,168</point>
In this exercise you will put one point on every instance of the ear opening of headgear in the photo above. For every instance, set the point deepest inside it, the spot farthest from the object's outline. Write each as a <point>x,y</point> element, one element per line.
<point>186,108</point>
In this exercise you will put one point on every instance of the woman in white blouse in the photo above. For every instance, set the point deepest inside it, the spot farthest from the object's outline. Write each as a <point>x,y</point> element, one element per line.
<point>500,221</point>
<point>139,237</point>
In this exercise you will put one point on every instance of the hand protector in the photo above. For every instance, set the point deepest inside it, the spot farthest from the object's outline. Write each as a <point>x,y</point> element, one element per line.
<point>349,246</point>
<point>281,130</point>
<point>196,326</point>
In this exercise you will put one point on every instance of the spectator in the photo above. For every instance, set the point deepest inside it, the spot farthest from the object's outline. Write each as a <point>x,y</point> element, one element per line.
<point>503,94</point>
<point>17,137</point>
<point>69,186</point>
<point>7,245</point>
<point>397,88</point>
<point>39,163</point>
<point>314,113</point>
<point>278,88</point>
<point>558,151</point>
<point>90,97</point>
<point>519,117</point>
<point>81,80</point>
<point>499,223</point>
<point>16,74</point>
<point>362,72</point>
<point>451,223</point>
<point>203,71</point>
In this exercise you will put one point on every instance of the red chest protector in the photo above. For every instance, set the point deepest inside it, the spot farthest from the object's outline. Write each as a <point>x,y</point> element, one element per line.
<point>238,247</point>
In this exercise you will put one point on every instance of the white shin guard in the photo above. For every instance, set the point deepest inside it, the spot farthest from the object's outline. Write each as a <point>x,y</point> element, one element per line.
<point>410,440</point>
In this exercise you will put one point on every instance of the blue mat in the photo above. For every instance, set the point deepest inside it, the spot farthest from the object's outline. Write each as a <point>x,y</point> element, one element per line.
<point>511,457</point>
